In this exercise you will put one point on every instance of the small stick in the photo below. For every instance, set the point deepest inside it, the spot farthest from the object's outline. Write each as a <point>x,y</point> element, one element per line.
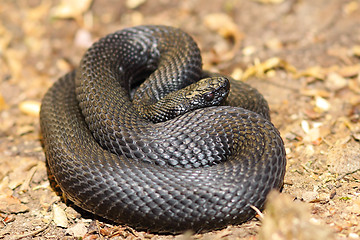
<point>33,233</point>
<point>261,215</point>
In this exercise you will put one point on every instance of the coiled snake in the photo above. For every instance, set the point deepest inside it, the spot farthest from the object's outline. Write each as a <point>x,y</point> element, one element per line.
<point>153,158</point>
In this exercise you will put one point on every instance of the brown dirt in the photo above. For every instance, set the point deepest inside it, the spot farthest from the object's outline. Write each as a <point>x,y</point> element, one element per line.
<point>302,55</point>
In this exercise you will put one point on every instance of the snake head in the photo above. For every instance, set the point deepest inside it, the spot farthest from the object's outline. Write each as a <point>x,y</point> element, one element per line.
<point>207,92</point>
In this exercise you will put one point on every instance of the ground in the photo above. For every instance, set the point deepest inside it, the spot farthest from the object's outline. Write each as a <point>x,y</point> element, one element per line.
<point>302,55</point>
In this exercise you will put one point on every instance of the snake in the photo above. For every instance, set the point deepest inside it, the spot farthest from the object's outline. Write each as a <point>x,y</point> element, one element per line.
<point>141,135</point>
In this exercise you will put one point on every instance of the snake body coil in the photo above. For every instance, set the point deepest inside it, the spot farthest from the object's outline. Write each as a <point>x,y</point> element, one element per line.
<point>199,169</point>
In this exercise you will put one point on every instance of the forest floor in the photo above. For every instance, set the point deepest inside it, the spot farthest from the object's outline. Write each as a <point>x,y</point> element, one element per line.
<point>302,55</point>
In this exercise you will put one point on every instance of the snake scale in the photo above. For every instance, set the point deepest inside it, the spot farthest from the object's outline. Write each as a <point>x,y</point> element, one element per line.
<point>150,155</point>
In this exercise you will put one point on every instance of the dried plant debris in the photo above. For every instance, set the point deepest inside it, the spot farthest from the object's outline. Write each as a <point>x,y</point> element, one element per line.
<point>302,55</point>
<point>70,9</point>
<point>261,68</point>
<point>225,26</point>
<point>288,219</point>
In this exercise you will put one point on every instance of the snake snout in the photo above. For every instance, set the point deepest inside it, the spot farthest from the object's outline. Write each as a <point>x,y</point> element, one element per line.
<point>221,88</point>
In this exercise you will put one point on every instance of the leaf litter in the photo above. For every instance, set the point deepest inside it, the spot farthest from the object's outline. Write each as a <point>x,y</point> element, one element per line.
<point>312,84</point>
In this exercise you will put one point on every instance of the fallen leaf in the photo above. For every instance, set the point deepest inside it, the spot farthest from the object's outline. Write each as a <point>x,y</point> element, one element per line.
<point>312,114</point>
<point>227,28</point>
<point>70,9</point>
<point>269,1</point>
<point>260,68</point>
<point>31,108</point>
<point>322,73</point>
<point>222,24</point>
<point>316,72</point>
<point>274,44</point>
<point>351,7</point>
<point>60,218</point>
<point>356,50</point>
<point>354,85</point>
<point>322,104</point>
<point>3,104</point>
<point>20,172</point>
<point>11,204</point>
<point>8,219</point>
<point>335,81</point>
<point>237,73</point>
<point>78,230</point>
<point>305,126</point>
<point>355,207</point>
<point>249,50</point>
<point>83,38</point>
<point>349,71</point>
<point>15,59</point>
<point>286,219</point>
<point>343,156</point>
<point>309,196</point>
<point>6,37</point>
<point>132,4</point>
<point>315,92</point>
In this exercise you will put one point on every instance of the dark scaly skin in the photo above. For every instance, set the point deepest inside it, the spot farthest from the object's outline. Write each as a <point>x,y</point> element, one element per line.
<point>150,175</point>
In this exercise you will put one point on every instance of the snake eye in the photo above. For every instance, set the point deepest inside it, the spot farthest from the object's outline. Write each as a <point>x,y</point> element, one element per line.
<point>209,96</point>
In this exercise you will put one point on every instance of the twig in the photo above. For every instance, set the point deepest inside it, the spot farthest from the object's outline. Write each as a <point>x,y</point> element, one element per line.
<point>25,186</point>
<point>33,233</point>
<point>346,174</point>
<point>99,229</point>
<point>261,215</point>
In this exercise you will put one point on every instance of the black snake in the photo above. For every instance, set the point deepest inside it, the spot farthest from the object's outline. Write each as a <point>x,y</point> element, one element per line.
<point>198,167</point>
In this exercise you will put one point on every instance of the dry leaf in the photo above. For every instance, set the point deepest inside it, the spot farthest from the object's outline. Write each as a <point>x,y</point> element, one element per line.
<point>11,204</point>
<point>335,81</point>
<point>343,156</point>
<point>226,27</point>
<point>321,72</point>
<point>37,13</point>
<point>356,50</point>
<point>286,219</point>
<point>351,7</point>
<point>260,68</point>
<point>322,104</point>
<point>249,50</point>
<point>354,85</point>
<point>316,72</point>
<point>20,172</point>
<point>315,92</point>
<point>309,196</point>
<point>31,108</point>
<point>355,207</point>
<point>83,38</point>
<point>274,44</point>
<point>269,1</point>
<point>349,71</point>
<point>3,104</point>
<point>60,218</point>
<point>78,230</point>
<point>71,9</point>
<point>134,3</point>
<point>237,73</point>
<point>5,38</point>
<point>222,24</point>
<point>305,126</point>
<point>15,59</point>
